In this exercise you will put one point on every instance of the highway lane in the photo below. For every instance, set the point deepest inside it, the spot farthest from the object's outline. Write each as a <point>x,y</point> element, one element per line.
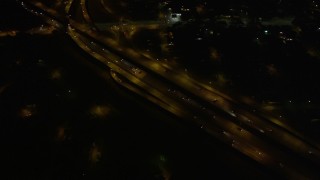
<point>260,130</point>
<point>218,102</point>
<point>239,102</point>
<point>226,131</point>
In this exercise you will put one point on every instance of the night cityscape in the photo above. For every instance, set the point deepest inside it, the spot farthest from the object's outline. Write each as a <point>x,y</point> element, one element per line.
<point>160,90</point>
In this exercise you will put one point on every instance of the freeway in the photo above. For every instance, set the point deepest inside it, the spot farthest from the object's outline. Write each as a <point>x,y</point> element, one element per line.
<point>179,77</point>
<point>258,135</point>
<point>220,127</point>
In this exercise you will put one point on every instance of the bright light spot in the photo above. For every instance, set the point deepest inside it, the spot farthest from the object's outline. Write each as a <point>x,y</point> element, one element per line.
<point>174,18</point>
<point>232,114</point>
